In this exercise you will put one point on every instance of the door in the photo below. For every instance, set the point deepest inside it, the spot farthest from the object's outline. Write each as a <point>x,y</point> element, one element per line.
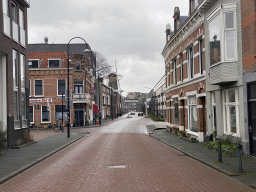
<point>252,117</point>
<point>79,116</point>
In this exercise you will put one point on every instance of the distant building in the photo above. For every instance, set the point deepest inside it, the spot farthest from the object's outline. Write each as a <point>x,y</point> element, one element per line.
<point>13,70</point>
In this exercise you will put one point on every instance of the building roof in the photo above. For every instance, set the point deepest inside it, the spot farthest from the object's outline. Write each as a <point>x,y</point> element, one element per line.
<point>44,56</point>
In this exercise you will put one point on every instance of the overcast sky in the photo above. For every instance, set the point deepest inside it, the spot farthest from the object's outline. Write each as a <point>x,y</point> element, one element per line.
<point>132,32</point>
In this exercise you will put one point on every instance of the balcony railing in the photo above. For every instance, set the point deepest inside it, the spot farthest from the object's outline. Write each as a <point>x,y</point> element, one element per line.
<point>82,98</point>
<point>7,25</point>
<point>15,31</point>
<point>22,37</point>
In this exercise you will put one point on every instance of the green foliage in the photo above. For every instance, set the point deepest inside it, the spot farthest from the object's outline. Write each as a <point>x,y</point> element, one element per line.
<point>226,143</point>
<point>3,135</point>
<point>154,118</point>
<point>27,138</point>
<point>183,133</point>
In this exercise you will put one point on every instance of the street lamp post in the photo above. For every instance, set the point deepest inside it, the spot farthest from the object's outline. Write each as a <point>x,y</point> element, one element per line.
<point>68,92</point>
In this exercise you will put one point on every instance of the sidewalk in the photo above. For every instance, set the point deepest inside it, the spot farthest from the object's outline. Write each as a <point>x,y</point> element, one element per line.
<point>48,142</point>
<point>15,161</point>
<point>209,157</point>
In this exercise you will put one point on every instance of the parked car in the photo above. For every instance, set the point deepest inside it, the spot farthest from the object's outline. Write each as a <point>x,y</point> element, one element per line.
<point>140,114</point>
<point>132,113</point>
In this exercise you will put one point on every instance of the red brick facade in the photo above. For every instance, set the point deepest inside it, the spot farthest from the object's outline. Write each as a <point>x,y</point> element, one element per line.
<point>50,77</point>
<point>185,79</point>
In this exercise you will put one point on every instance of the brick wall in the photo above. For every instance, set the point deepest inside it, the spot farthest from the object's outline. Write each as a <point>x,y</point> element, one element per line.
<point>249,35</point>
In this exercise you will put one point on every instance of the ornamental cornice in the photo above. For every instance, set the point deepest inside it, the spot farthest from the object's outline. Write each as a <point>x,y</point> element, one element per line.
<point>193,22</point>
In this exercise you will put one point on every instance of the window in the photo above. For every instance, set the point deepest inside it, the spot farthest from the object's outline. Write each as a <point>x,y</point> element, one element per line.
<point>23,91</point>
<point>78,86</point>
<point>54,63</point>
<point>201,56</point>
<point>176,111</point>
<point>31,114</point>
<point>215,48</point>
<point>38,87</point>
<point>231,111</point>
<point>15,68</point>
<point>15,27</point>
<point>192,113</point>
<point>174,72</point>
<point>181,69</point>
<point>33,64</point>
<point>78,65</point>
<point>16,109</point>
<point>230,39</point>
<point>22,28</point>
<point>29,88</point>
<point>222,31</point>
<point>14,12</point>
<point>6,17</point>
<point>45,114</point>
<point>190,63</point>
<point>214,121</point>
<point>61,86</point>
<point>22,71</point>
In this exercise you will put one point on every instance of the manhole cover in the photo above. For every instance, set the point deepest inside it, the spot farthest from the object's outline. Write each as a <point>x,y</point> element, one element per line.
<point>116,166</point>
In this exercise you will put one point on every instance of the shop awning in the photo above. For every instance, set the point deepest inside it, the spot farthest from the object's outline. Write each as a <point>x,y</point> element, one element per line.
<point>95,109</point>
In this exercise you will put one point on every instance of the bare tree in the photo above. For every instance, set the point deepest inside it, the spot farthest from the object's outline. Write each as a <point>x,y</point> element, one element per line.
<point>102,66</point>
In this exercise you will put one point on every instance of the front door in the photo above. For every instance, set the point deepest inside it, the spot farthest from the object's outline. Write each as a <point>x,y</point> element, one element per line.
<point>252,117</point>
<point>79,116</point>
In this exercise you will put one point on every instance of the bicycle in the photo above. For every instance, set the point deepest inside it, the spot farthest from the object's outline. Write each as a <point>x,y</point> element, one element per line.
<point>58,127</point>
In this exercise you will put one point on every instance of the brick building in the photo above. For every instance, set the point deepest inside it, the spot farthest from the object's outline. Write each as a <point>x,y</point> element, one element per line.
<point>249,66</point>
<point>184,55</point>
<point>13,69</point>
<point>48,81</point>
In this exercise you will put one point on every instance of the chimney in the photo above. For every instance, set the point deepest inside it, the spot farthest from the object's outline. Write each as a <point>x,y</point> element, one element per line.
<point>176,17</point>
<point>46,40</point>
<point>168,32</point>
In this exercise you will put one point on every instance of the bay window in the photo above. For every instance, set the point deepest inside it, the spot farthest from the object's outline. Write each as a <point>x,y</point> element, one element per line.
<point>222,34</point>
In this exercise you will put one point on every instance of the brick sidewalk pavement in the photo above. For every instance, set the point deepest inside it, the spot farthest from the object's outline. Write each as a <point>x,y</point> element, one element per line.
<point>209,157</point>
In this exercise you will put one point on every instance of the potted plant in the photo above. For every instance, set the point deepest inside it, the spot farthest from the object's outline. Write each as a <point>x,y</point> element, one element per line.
<point>97,121</point>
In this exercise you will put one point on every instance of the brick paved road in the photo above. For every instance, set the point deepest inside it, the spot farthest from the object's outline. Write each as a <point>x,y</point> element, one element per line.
<point>121,157</point>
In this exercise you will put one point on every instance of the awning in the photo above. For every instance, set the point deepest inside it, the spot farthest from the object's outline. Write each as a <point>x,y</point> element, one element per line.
<point>95,109</point>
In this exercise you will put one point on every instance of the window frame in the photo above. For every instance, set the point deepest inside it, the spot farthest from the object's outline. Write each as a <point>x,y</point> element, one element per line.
<point>190,113</point>
<point>33,107</point>
<point>35,88</point>
<point>49,114</point>
<point>201,54</point>
<point>31,61</point>
<point>214,118</point>
<point>190,61</point>
<point>58,87</point>
<point>174,64</point>
<point>226,109</point>
<point>221,10</point>
<point>54,59</point>
<point>78,85</point>
<point>176,104</point>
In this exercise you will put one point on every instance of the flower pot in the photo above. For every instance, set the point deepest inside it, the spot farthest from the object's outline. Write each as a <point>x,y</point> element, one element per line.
<point>97,123</point>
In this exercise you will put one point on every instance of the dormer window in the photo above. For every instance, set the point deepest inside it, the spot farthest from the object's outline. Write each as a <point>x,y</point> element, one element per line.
<point>54,63</point>
<point>34,63</point>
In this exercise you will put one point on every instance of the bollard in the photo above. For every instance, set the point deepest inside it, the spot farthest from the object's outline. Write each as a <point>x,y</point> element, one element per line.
<point>239,159</point>
<point>219,152</point>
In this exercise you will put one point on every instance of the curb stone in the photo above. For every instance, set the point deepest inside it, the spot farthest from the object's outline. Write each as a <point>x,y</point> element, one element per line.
<point>26,167</point>
<point>197,158</point>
